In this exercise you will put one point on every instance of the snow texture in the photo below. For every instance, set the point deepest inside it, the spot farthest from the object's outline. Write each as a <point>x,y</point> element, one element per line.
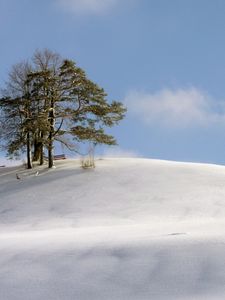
<point>128,229</point>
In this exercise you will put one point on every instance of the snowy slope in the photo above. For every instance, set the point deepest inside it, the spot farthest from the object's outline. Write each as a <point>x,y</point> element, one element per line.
<point>129,229</point>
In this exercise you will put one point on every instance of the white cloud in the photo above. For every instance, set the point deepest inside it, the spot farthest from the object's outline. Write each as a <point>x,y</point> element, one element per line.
<point>87,6</point>
<point>176,108</point>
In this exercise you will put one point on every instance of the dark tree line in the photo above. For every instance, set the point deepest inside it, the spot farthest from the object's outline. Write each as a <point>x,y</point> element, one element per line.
<point>51,99</point>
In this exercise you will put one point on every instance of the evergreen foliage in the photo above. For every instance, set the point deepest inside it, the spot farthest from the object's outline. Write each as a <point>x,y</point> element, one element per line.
<point>50,100</point>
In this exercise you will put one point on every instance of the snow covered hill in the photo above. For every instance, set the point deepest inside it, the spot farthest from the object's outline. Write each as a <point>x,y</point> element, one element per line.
<point>129,229</point>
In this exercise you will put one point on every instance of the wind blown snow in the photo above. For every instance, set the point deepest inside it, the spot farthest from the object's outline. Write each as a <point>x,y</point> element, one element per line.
<point>128,229</point>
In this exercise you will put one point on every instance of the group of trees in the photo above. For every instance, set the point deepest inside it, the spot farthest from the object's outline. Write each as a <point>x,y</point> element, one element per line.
<point>50,99</point>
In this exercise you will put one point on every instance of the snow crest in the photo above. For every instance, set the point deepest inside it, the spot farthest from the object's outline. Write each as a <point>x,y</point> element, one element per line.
<point>128,229</point>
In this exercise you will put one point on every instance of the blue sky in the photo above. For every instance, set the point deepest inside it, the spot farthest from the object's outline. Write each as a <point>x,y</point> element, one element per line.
<point>164,59</point>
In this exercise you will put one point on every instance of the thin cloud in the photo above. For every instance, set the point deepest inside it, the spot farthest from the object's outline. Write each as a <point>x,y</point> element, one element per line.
<point>87,6</point>
<point>179,108</point>
<point>119,152</point>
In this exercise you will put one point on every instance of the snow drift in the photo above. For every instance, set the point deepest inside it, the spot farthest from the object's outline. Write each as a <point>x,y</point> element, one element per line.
<point>128,229</point>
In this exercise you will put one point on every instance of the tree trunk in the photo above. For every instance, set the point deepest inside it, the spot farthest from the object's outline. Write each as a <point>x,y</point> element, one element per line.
<point>41,155</point>
<point>38,152</point>
<point>51,136</point>
<point>37,149</point>
<point>29,164</point>
<point>50,152</point>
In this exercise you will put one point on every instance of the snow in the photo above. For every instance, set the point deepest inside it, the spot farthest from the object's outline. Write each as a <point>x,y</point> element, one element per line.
<point>8,162</point>
<point>128,229</point>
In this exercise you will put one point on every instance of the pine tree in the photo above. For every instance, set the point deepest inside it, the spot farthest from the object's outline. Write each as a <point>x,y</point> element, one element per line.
<point>53,100</point>
<point>87,107</point>
<point>16,114</point>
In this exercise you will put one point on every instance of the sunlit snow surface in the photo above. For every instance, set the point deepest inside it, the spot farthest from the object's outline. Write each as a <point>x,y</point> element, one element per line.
<point>129,229</point>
